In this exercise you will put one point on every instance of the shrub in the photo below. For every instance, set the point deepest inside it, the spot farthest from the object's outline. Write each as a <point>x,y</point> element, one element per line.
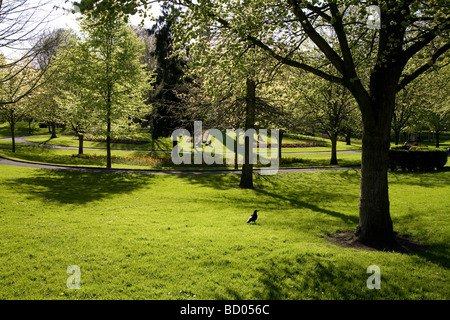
<point>417,159</point>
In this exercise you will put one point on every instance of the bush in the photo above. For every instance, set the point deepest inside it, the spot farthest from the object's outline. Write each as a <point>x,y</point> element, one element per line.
<point>417,159</point>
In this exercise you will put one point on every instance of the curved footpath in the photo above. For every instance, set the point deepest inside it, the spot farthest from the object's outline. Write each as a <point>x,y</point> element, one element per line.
<point>19,163</point>
<point>54,146</point>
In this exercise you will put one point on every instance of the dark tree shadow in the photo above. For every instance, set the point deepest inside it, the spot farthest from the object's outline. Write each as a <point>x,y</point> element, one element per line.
<point>295,201</point>
<point>425,178</point>
<point>283,281</point>
<point>75,187</point>
<point>272,192</point>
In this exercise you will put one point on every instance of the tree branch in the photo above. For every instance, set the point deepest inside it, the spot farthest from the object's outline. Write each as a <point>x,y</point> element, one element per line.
<point>425,39</point>
<point>410,77</point>
<point>294,63</point>
<point>318,40</point>
<point>281,58</point>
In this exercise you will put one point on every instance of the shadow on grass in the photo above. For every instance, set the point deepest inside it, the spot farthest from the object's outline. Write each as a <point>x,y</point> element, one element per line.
<point>438,254</point>
<point>435,249</point>
<point>307,276</point>
<point>295,193</point>
<point>294,200</point>
<point>420,178</point>
<point>73,187</point>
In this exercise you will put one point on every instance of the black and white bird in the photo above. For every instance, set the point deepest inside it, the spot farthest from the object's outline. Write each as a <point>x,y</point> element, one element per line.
<point>253,217</point>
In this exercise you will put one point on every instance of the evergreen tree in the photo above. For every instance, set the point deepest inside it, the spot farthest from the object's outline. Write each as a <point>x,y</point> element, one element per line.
<point>169,76</point>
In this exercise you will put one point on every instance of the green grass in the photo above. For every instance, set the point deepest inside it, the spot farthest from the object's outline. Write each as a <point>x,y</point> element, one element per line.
<point>72,141</point>
<point>21,129</point>
<point>185,236</point>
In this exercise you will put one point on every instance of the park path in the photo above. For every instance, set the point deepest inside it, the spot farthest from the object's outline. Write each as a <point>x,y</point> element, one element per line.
<point>19,163</point>
<point>53,146</point>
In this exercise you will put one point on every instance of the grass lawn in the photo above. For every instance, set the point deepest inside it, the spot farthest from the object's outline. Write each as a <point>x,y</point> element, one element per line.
<point>185,236</point>
<point>72,141</point>
<point>22,129</point>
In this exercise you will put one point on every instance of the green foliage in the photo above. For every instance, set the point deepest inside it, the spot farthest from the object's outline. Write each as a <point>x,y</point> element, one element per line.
<point>170,78</point>
<point>117,77</point>
<point>434,111</point>
<point>417,159</point>
<point>76,97</point>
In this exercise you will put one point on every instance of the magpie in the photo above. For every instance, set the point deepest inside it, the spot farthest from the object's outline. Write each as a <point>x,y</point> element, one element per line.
<point>253,217</point>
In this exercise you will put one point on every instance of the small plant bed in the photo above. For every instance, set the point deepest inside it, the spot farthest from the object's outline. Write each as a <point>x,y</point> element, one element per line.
<point>116,140</point>
<point>312,144</point>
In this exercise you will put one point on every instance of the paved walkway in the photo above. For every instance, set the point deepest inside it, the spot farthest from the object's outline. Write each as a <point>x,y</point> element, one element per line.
<point>19,163</point>
<point>54,146</point>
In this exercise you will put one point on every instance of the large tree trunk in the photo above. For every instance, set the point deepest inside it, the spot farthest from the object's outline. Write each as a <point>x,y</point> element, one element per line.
<point>280,142</point>
<point>236,158</point>
<point>108,144</point>
<point>247,167</point>
<point>108,124</point>
<point>333,138</point>
<point>397,136</point>
<point>108,133</point>
<point>80,143</point>
<point>437,134</point>
<point>53,130</point>
<point>375,224</point>
<point>348,138</point>
<point>12,125</point>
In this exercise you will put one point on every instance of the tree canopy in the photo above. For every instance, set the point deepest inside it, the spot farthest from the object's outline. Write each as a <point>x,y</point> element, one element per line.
<point>373,57</point>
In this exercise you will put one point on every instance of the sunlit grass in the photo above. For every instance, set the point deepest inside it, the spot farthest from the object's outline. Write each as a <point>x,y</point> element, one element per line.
<point>185,236</point>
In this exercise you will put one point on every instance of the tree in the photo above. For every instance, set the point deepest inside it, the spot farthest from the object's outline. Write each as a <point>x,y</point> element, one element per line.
<point>116,75</point>
<point>405,106</point>
<point>435,104</point>
<point>75,97</point>
<point>237,76</point>
<point>169,77</point>
<point>370,63</point>
<point>44,96</point>
<point>19,22</point>
<point>10,91</point>
<point>325,104</point>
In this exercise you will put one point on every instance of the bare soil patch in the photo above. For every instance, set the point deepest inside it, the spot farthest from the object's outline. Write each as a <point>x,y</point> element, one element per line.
<point>402,244</point>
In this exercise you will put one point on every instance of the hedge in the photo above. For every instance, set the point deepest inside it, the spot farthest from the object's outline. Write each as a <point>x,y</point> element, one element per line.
<point>417,159</point>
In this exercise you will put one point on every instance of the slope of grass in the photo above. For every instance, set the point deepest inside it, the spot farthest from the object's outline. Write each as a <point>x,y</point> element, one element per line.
<point>72,141</point>
<point>22,129</point>
<point>185,236</point>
